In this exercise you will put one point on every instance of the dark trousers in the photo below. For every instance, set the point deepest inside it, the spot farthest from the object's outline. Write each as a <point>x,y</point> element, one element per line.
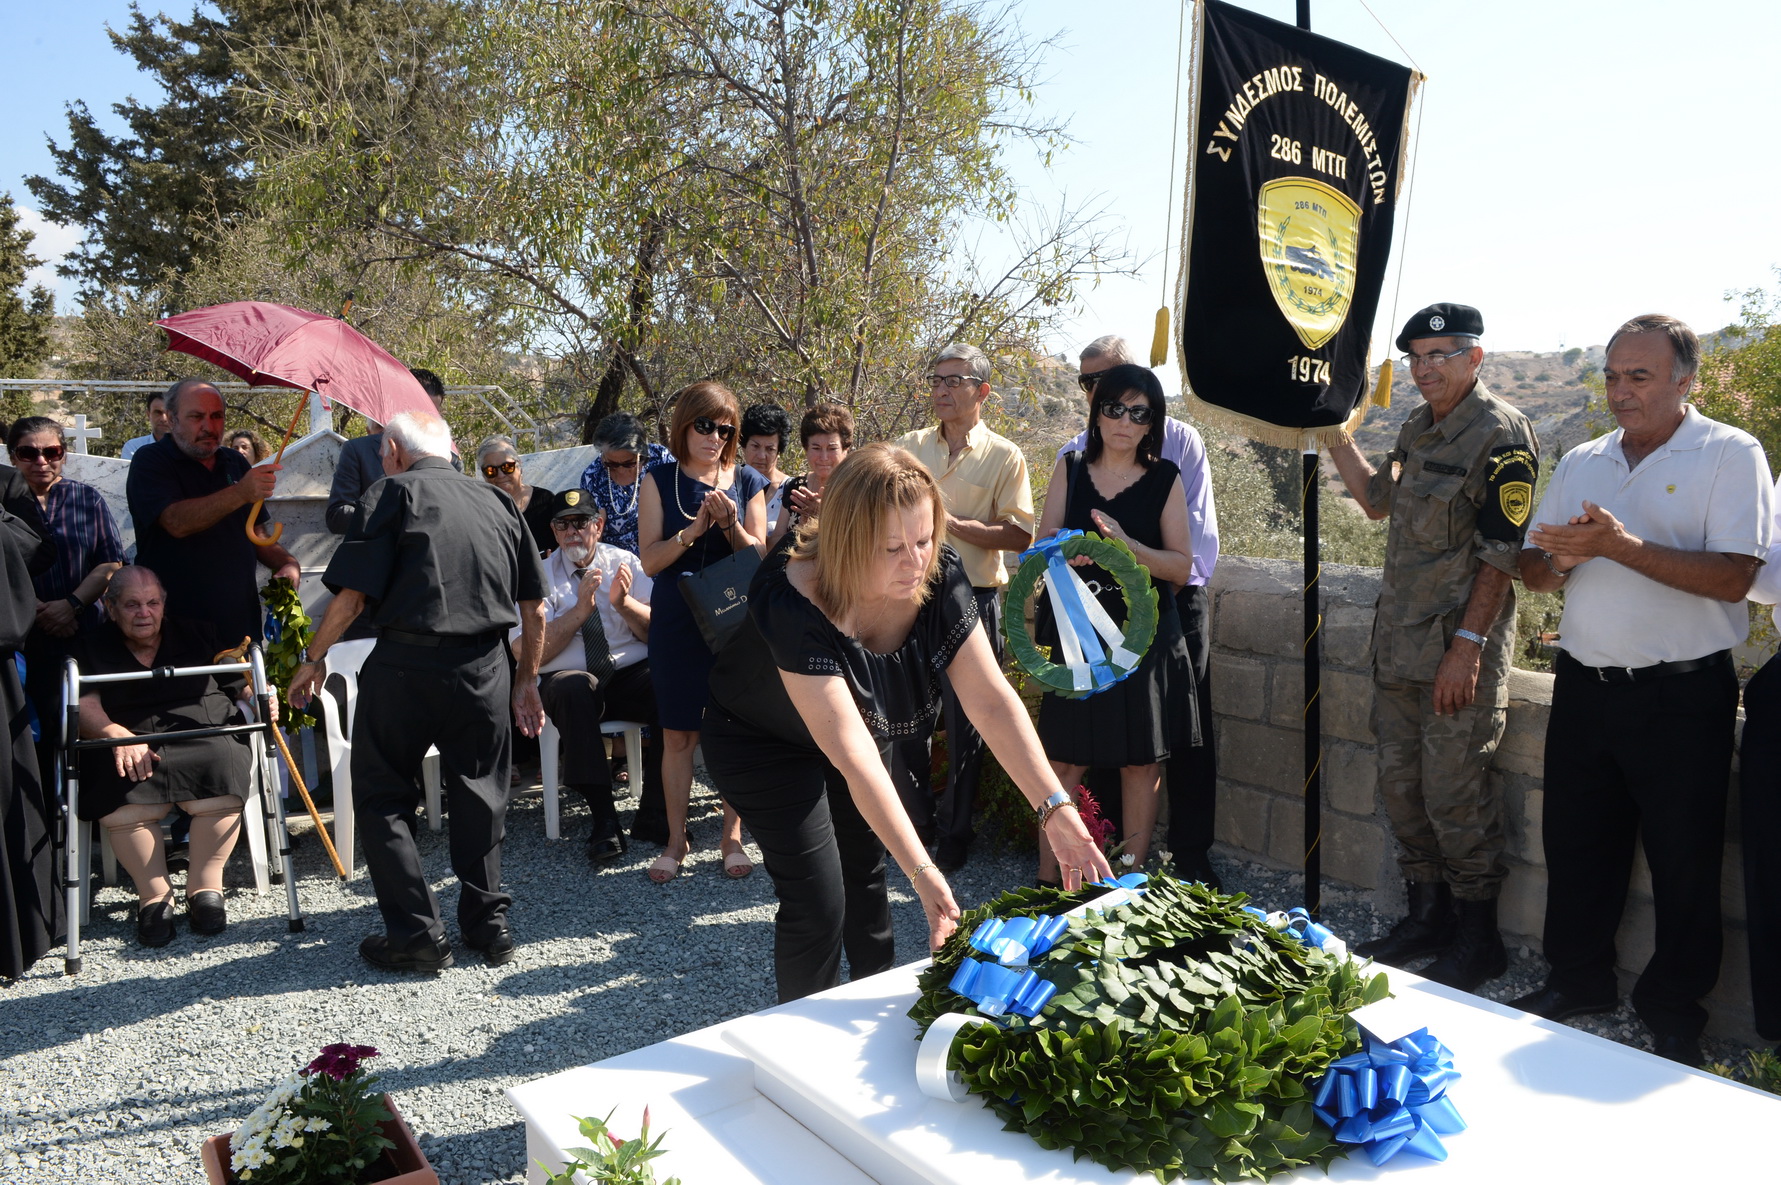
<point>964,746</point>
<point>1192,776</point>
<point>576,703</point>
<point>827,866</point>
<point>458,699</point>
<point>1759,802</point>
<point>1625,760</point>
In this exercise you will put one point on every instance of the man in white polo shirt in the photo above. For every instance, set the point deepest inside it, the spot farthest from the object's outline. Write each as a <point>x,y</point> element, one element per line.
<point>1655,532</point>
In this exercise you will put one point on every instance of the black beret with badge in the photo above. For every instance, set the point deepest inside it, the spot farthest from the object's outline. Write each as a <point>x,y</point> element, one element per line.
<point>1442,320</point>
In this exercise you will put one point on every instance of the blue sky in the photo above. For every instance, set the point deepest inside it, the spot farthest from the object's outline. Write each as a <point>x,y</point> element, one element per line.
<point>1580,161</point>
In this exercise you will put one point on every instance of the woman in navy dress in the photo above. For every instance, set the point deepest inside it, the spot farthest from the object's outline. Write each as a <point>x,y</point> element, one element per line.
<point>693,512</point>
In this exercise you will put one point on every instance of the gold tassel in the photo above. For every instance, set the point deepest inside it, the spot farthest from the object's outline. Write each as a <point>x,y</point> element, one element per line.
<point>1159,342</point>
<point>1382,390</point>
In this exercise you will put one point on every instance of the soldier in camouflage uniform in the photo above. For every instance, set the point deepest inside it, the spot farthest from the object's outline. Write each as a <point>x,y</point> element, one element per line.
<point>1459,487</point>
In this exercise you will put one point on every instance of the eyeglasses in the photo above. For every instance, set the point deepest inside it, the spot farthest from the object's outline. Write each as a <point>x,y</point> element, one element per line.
<point>617,466</point>
<point>952,382</point>
<point>705,426</point>
<point>30,452</point>
<point>506,467</point>
<point>1141,413</point>
<point>1087,382</point>
<point>573,522</point>
<point>1435,360</point>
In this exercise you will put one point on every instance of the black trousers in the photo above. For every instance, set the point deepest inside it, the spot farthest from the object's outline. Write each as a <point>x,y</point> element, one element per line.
<point>964,746</point>
<point>458,699</point>
<point>827,866</point>
<point>1624,761</point>
<point>1191,777</point>
<point>576,703</point>
<point>1759,802</point>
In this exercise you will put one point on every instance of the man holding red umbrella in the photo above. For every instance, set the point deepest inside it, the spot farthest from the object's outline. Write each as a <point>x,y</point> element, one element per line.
<point>190,499</point>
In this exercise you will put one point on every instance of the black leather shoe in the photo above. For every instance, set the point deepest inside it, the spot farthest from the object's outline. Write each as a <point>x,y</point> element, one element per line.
<point>1556,1005</point>
<point>602,849</point>
<point>652,830</point>
<point>154,923</point>
<point>205,913</point>
<point>950,855</point>
<point>495,942</point>
<point>1477,952</point>
<point>423,954</point>
<point>1678,1048</point>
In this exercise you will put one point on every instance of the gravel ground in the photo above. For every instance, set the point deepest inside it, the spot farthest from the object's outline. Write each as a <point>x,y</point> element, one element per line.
<point>120,1073</point>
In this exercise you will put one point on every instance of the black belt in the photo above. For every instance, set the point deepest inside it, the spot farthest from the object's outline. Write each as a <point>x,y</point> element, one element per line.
<point>410,638</point>
<point>1657,670</point>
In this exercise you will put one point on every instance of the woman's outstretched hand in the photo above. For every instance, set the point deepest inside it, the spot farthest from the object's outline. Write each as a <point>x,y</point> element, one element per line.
<point>1080,860</point>
<point>937,903</point>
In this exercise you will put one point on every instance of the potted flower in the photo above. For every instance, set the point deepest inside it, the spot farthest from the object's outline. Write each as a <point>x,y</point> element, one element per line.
<point>322,1125</point>
<point>612,1160</point>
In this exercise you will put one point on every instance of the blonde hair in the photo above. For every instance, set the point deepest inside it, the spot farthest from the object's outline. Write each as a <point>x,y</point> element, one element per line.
<point>710,399</point>
<point>844,543</point>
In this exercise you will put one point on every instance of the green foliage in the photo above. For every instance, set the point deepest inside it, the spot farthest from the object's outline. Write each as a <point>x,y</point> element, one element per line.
<point>1169,1047</point>
<point>24,316</point>
<point>1740,378</point>
<point>294,633</point>
<point>1572,355</point>
<point>611,1160</point>
<point>1761,1069</point>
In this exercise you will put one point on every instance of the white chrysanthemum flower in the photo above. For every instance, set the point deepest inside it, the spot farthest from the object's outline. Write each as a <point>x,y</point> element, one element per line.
<point>318,1124</point>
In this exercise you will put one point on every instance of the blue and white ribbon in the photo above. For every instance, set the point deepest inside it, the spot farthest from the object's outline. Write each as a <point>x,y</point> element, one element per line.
<point>1297,923</point>
<point>1390,1097</point>
<point>1080,618</point>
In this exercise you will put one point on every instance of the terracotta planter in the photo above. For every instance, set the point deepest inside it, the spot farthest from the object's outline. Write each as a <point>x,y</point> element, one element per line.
<point>405,1163</point>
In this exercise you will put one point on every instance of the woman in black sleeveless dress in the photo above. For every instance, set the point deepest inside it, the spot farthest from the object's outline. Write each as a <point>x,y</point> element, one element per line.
<point>1120,488</point>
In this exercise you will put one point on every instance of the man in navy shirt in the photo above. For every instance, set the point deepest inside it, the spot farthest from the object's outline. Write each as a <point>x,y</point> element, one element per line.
<point>190,497</point>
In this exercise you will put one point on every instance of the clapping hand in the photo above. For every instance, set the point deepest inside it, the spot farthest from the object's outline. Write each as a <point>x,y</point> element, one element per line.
<point>621,587</point>
<point>806,502</point>
<point>590,585</point>
<point>1595,532</point>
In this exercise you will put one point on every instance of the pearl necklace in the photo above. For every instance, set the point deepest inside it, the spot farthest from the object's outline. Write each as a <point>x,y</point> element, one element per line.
<point>678,505</point>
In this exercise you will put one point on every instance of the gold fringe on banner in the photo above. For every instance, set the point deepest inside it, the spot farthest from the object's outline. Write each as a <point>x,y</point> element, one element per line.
<point>1201,412</point>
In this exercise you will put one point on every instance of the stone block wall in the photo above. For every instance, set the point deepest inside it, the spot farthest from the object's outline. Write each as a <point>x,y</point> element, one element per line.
<point>1258,708</point>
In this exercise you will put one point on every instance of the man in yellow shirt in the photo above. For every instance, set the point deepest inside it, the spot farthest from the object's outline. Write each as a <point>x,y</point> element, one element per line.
<point>989,510</point>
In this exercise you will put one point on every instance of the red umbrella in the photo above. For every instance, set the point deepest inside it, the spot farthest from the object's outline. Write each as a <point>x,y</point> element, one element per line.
<point>269,344</point>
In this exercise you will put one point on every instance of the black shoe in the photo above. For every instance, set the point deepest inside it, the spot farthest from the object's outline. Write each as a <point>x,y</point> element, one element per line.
<point>205,913</point>
<point>423,954</point>
<point>154,923</point>
<point>650,830</point>
<point>1556,1005</point>
<point>1677,1048</point>
<point>1199,868</point>
<point>495,942</point>
<point>950,855</point>
<point>1477,952</point>
<point>604,848</point>
<point>1428,930</point>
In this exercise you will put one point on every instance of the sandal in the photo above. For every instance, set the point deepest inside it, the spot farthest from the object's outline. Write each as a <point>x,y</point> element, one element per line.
<point>737,864</point>
<point>666,867</point>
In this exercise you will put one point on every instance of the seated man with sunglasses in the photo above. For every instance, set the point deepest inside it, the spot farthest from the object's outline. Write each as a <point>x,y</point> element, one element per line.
<point>989,510</point>
<point>1191,775</point>
<point>361,462</point>
<point>596,662</point>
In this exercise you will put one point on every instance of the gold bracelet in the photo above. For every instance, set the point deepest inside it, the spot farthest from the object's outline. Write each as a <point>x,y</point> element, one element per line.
<point>683,542</point>
<point>919,869</point>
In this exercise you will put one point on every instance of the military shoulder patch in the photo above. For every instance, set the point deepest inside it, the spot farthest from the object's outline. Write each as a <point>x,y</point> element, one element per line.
<point>1508,493</point>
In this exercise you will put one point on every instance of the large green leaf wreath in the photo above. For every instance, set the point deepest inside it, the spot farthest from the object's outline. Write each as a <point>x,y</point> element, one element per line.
<point>1169,1047</point>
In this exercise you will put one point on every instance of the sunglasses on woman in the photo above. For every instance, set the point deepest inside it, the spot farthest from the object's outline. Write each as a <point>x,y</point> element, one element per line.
<point>705,426</point>
<point>1141,413</point>
<point>506,467</point>
<point>30,452</point>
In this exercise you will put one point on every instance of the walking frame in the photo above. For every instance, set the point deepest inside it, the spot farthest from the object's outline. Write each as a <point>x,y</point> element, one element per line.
<point>71,830</point>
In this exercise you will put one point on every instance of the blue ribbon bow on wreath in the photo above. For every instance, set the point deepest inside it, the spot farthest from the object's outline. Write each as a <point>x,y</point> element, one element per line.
<point>1392,1096</point>
<point>1009,985</point>
<point>1081,621</point>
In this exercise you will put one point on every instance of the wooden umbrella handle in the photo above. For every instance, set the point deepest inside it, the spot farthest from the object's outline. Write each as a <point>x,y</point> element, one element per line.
<point>253,515</point>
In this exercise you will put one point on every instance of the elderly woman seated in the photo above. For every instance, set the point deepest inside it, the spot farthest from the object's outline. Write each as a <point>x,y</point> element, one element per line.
<point>129,789</point>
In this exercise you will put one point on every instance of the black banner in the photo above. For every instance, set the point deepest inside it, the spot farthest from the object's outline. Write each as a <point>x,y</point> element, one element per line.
<point>1292,186</point>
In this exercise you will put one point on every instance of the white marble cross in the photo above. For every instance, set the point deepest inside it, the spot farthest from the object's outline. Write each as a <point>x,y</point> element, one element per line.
<point>81,434</point>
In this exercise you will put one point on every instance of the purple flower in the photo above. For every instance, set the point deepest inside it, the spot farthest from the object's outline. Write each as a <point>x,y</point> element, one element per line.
<point>340,1061</point>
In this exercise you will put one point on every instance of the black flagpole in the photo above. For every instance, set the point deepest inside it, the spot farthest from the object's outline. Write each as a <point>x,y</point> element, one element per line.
<point>1313,481</point>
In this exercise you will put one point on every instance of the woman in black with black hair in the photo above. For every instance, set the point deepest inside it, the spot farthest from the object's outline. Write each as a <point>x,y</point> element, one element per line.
<point>1120,487</point>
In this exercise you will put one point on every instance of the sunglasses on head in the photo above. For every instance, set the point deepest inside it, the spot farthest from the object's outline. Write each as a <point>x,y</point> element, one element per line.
<point>705,426</point>
<point>506,467</point>
<point>30,452</point>
<point>1141,413</point>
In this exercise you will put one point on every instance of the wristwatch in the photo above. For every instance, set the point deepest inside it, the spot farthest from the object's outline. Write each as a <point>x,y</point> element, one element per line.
<point>1561,573</point>
<point>1469,636</point>
<point>1051,806</point>
<point>75,603</point>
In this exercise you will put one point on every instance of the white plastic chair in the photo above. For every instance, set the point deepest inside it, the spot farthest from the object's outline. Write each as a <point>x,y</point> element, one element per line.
<point>340,667</point>
<point>550,742</point>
